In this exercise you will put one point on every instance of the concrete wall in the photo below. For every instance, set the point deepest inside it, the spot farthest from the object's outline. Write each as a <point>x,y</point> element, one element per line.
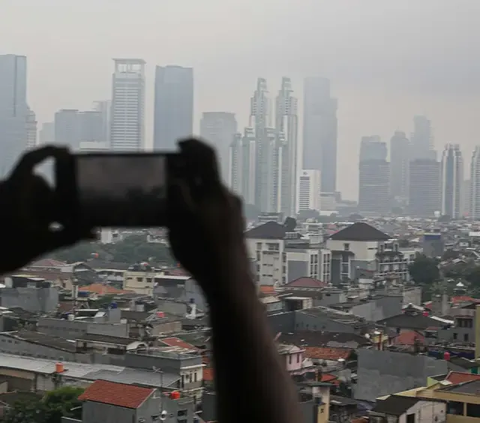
<point>379,308</point>
<point>412,295</point>
<point>457,334</point>
<point>97,412</point>
<point>320,323</point>
<point>35,300</point>
<point>384,372</point>
<point>363,250</point>
<point>69,329</point>
<point>296,269</point>
<point>193,290</point>
<point>282,322</point>
<point>426,412</point>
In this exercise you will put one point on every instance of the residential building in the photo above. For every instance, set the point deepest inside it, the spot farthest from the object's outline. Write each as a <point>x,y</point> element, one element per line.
<point>47,133</point>
<point>422,139</point>
<point>308,191</point>
<point>127,120</point>
<point>219,129</point>
<point>424,188</point>
<point>140,278</point>
<point>353,249</point>
<point>393,263</point>
<point>13,109</point>
<point>31,129</point>
<point>399,166</point>
<point>320,131</point>
<point>451,181</point>
<point>433,244</point>
<point>308,261</point>
<point>242,165</point>
<point>286,123</point>
<point>173,113</point>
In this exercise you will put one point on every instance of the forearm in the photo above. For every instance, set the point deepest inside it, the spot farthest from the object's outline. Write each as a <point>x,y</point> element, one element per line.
<point>252,384</point>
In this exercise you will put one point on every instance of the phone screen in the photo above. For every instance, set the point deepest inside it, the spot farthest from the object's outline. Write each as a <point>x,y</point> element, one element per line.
<point>118,190</point>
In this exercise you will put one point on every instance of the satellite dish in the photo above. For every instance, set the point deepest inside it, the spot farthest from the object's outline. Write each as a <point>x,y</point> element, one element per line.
<point>163,415</point>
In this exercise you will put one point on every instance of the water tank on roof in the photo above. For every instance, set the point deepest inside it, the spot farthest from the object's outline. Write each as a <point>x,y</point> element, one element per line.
<point>113,305</point>
<point>446,356</point>
<point>175,395</point>
<point>59,368</point>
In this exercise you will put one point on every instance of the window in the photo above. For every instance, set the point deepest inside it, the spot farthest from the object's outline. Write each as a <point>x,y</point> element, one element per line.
<point>346,247</point>
<point>298,358</point>
<point>473,410</point>
<point>259,245</point>
<point>454,407</point>
<point>455,335</point>
<point>290,359</point>
<point>411,418</point>
<point>465,337</point>
<point>195,377</point>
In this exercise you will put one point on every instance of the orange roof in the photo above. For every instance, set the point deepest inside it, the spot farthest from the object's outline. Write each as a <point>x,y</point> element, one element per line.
<point>177,342</point>
<point>267,289</point>
<point>327,353</point>
<point>409,338</point>
<point>98,288</point>
<point>464,299</point>
<point>329,378</point>
<point>460,377</point>
<point>119,394</point>
<point>208,374</point>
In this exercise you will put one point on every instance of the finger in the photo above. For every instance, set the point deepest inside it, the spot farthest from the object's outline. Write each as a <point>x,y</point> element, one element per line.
<point>180,199</point>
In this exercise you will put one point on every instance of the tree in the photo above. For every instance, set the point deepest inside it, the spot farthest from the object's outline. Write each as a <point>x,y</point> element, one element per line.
<point>424,270</point>
<point>25,411</point>
<point>62,402</point>
<point>79,252</point>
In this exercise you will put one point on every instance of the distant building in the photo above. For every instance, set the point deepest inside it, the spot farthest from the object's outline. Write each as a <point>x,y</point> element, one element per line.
<point>242,165</point>
<point>433,244</point>
<point>73,127</point>
<point>399,166</point>
<point>127,120</point>
<point>308,190</point>
<point>173,110</point>
<point>422,139</point>
<point>320,131</point>
<point>424,187</point>
<point>451,181</point>
<point>47,133</point>
<point>373,148</point>
<point>219,128</point>
<point>475,185</point>
<point>374,187</point>
<point>31,129</point>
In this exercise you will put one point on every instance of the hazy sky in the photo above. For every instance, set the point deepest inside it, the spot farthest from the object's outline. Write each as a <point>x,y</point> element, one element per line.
<point>387,59</point>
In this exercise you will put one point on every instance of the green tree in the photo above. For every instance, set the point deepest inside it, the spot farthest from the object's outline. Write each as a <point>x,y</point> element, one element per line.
<point>450,254</point>
<point>25,411</point>
<point>424,270</point>
<point>62,402</point>
<point>79,252</point>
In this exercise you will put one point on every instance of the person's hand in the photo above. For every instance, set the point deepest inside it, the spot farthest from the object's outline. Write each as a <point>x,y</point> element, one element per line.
<point>26,213</point>
<point>205,219</point>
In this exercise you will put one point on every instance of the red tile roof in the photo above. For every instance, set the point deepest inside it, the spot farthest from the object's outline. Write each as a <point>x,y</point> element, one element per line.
<point>208,374</point>
<point>329,378</point>
<point>460,377</point>
<point>327,353</point>
<point>408,338</point>
<point>98,288</point>
<point>307,283</point>
<point>464,299</point>
<point>267,289</point>
<point>177,342</point>
<point>119,394</point>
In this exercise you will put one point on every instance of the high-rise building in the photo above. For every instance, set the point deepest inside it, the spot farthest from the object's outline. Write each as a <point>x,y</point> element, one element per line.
<point>260,120</point>
<point>127,119</point>
<point>422,139</point>
<point>451,181</point>
<point>31,129</point>
<point>46,135</point>
<point>308,190</point>
<point>104,107</point>
<point>475,185</point>
<point>399,161</point>
<point>286,123</point>
<point>67,128</point>
<point>173,114</point>
<point>374,186</point>
<point>372,148</point>
<point>466,198</point>
<point>91,125</point>
<point>424,187</point>
<point>219,129</point>
<point>320,131</point>
<point>13,110</point>
<point>243,165</point>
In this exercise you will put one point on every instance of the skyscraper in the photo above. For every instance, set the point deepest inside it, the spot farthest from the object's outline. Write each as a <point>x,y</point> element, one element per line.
<point>399,162</point>
<point>373,148</point>
<point>13,109</point>
<point>320,131</point>
<point>422,139</point>
<point>308,191</point>
<point>219,128</point>
<point>243,165</point>
<point>31,129</point>
<point>451,181</point>
<point>67,128</point>
<point>46,135</point>
<point>127,120</point>
<point>286,124</point>
<point>104,108</point>
<point>424,187</point>
<point>173,118</point>
<point>475,185</point>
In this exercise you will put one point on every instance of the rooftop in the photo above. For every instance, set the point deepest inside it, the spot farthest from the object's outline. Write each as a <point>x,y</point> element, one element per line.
<point>359,231</point>
<point>323,353</point>
<point>119,394</point>
<point>395,405</point>
<point>471,387</point>
<point>177,342</point>
<point>305,282</point>
<point>42,339</point>
<point>460,377</point>
<point>324,339</point>
<point>269,230</point>
<point>106,339</point>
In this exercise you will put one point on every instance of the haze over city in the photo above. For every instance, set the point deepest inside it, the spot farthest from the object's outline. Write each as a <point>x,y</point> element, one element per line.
<point>387,61</point>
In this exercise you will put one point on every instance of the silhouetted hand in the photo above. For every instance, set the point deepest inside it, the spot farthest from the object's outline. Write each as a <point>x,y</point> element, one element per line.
<point>205,219</point>
<point>26,213</point>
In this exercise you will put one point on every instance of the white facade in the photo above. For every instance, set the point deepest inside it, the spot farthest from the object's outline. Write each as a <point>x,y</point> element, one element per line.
<point>308,190</point>
<point>128,105</point>
<point>46,135</point>
<point>242,165</point>
<point>328,203</point>
<point>362,250</point>
<point>318,262</point>
<point>475,185</point>
<point>451,181</point>
<point>270,260</point>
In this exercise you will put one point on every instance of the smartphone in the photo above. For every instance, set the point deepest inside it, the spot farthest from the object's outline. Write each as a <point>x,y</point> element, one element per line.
<point>117,189</point>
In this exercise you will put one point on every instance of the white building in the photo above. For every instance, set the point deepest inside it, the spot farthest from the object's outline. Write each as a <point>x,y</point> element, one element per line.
<point>31,129</point>
<point>46,135</point>
<point>309,262</point>
<point>475,185</point>
<point>128,105</point>
<point>451,181</point>
<point>308,190</point>
<point>242,165</point>
<point>94,146</point>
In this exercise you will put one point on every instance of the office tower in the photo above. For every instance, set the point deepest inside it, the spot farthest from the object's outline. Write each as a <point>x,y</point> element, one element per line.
<point>451,181</point>
<point>466,198</point>
<point>372,148</point>
<point>67,128</point>
<point>91,125</point>
<point>243,165</point>
<point>374,186</point>
<point>308,191</point>
<point>475,185</point>
<point>46,135</point>
<point>13,110</point>
<point>173,112</point>
<point>31,129</point>
<point>104,108</point>
<point>219,129</point>
<point>286,123</point>
<point>422,139</point>
<point>399,161</point>
<point>260,121</point>
<point>424,187</point>
<point>320,131</point>
<point>127,119</point>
